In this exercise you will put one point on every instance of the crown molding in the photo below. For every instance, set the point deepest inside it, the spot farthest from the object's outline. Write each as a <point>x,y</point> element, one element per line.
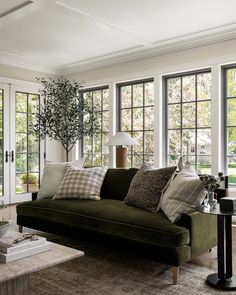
<point>219,34</point>
<point>33,64</point>
<point>216,35</point>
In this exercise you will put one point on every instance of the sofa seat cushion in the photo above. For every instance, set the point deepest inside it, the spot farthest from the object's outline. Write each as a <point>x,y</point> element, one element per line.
<point>110,217</point>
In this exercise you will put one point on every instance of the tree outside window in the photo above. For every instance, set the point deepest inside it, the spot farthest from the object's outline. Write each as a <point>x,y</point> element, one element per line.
<point>136,109</point>
<point>188,99</point>
<point>230,123</point>
<point>94,150</point>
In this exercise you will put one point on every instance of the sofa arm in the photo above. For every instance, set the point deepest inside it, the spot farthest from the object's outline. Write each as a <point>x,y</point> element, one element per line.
<point>202,230</point>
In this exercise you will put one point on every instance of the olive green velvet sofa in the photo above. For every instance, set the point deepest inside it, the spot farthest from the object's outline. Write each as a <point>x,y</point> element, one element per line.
<point>111,219</point>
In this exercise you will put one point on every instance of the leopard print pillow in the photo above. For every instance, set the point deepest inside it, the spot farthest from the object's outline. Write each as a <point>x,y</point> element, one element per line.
<point>146,187</point>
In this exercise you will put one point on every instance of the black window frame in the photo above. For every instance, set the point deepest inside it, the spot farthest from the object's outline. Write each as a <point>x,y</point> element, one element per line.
<point>225,125</point>
<point>82,153</point>
<point>119,120</point>
<point>165,117</point>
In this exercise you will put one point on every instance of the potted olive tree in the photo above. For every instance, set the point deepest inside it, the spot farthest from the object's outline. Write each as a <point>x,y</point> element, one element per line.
<point>65,115</point>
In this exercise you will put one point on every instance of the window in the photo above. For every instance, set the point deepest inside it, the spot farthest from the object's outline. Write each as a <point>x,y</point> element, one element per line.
<point>94,150</point>
<point>230,122</point>
<point>136,117</point>
<point>188,98</point>
<point>27,143</point>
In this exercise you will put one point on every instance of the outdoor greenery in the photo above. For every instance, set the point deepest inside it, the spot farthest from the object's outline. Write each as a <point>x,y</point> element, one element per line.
<point>27,143</point>
<point>29,178</point>
<point>65,116</point>
<point>95,151</point>
<point>231,123</point>
<point>137,119</point>
<point>189,119</point>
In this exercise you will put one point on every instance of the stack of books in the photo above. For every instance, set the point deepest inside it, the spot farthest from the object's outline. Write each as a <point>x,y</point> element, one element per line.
<point>14,246</point>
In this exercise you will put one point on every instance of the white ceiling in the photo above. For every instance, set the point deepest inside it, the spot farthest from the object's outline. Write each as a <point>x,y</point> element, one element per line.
<point>64,36</point>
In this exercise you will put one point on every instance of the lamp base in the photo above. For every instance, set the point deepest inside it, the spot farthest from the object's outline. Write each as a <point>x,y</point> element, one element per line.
<point>121,157</point>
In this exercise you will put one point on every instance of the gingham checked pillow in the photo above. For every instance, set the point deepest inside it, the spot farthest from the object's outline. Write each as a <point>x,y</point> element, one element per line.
<point>81,183</point>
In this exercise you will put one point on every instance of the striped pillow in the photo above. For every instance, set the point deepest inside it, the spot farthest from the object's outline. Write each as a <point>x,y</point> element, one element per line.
<point>184,194</point>
<point>81,183</point>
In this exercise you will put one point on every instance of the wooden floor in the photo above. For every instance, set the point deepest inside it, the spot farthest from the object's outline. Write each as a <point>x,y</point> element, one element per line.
<point>208,259</point>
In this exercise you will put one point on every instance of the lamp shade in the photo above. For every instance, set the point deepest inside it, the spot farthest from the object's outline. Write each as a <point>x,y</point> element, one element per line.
<point>121,138</point>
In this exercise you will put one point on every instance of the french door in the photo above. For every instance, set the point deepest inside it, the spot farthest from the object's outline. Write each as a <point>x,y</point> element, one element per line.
<point>21,149</point>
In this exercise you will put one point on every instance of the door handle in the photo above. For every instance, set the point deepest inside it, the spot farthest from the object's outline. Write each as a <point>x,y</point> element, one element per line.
<point>12,156</point>
<point>6,156</point>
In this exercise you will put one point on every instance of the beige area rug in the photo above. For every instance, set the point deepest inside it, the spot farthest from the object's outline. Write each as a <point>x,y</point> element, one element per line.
<point>106,271</point>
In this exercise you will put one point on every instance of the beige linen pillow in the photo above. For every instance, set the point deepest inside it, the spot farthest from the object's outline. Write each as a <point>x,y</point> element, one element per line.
<point>52,177</point>
<point>182,195</point>
<point>81,183</point>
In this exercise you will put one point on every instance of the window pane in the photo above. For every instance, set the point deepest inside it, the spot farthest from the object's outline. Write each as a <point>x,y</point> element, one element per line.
<point>149,142</point>
<point>188,114</point>
<point>149,118</point>
<point>138,136</point>
<point>231,171</point>
<point>137,160</point>
<point>174,138</point>
<point>105,148</point>
<point>1,122</point>
<point>21,102</point>
<point>188,88</point>
<point>149,94</point>
<point>21,122</point>
<point>125,120</point>
<point>21,163</point>
<point>204,164</point>
<point>231,112</point>
<point>21,143</point>
<point>174,90</point>
<point>204,141</point>
<point>231,142</point>
<point>189,142</point>
<point>33,143</point>
<point>174,117</point>
<point>33,162</point>
<point>204,114</point>
<point>33,103</point>
<point>97,100</point>
<point>105,99</point>
<point>231,82</point>
<point>105,121</point>
<point>1,98</point>
<point>137,95</point>
<point>204,86</point>
<point>32,119</point>
<point>137,119</point>
<point>125,96</point>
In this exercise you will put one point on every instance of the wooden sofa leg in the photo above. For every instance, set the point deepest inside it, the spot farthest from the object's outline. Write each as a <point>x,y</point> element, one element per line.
<point>20,228</point>
<point>175,273</point>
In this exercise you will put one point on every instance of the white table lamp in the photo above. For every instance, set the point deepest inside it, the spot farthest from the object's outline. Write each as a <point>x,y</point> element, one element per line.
<point>121,140</point>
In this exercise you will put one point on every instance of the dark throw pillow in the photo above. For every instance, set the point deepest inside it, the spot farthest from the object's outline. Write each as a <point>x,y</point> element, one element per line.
<point>146,187</point>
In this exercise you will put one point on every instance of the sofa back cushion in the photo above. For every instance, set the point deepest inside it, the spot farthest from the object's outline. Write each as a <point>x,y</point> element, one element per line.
<point>116,183</point>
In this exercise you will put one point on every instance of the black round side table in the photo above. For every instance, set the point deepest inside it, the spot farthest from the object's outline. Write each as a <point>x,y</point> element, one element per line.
<point>224,279</point>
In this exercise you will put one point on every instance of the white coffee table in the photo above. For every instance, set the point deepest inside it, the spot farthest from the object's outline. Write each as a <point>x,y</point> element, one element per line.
<point>14,276</point>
